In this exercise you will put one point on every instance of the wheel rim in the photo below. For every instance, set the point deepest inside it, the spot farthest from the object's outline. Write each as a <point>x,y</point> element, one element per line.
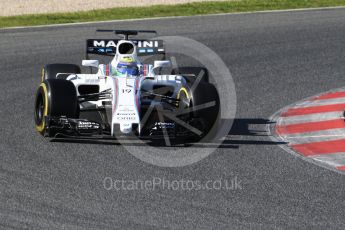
<point>184,101</point>
<point>39,110</point>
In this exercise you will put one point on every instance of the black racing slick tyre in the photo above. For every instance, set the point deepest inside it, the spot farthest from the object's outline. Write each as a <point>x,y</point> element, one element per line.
<point>50,71</point>
<point>191,74</point>
<point>55,98</point>
<point>206,105</point>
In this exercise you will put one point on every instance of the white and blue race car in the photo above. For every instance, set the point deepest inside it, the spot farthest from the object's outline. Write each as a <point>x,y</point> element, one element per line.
<point>128,97</point>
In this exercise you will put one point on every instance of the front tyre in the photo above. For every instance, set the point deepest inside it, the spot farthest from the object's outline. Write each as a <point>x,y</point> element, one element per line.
<point>41,108</point>
<point>183,98</point>
<point>51,70</point>
<point>54,98</point>
<point>206,107</point>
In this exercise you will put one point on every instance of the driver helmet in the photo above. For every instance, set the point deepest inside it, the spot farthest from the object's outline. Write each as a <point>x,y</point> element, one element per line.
<point>128,66</point>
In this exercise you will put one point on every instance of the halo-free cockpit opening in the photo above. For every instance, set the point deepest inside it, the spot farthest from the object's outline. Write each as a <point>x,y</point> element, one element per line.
<point>126,48</point>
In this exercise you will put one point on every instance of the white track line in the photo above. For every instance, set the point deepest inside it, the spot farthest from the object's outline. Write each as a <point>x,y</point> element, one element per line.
<point>320,136</point>
<point>333,101</point>
<point>291,120</point>
<point>335,159</point>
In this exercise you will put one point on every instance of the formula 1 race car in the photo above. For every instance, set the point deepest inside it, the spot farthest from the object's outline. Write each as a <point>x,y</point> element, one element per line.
<point>130,98</point>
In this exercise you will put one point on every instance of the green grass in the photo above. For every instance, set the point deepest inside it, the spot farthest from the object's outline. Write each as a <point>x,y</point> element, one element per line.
<point>189,9</point>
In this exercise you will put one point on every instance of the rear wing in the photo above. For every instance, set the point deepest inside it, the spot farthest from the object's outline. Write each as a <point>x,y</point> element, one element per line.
<point>107,47</point>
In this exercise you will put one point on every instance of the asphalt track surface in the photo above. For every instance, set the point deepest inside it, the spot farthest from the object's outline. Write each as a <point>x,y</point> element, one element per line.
<point>275,59</point>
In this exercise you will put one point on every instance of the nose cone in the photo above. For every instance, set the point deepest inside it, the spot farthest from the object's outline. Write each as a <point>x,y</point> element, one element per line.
<point>126,128</point>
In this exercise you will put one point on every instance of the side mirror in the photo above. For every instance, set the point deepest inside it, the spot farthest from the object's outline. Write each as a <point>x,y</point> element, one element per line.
<point>160,64</point>
<point>90,63</point>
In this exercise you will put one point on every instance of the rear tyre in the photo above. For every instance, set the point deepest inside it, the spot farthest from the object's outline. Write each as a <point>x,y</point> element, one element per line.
<point>50,71</point>
<point>54,98</point>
